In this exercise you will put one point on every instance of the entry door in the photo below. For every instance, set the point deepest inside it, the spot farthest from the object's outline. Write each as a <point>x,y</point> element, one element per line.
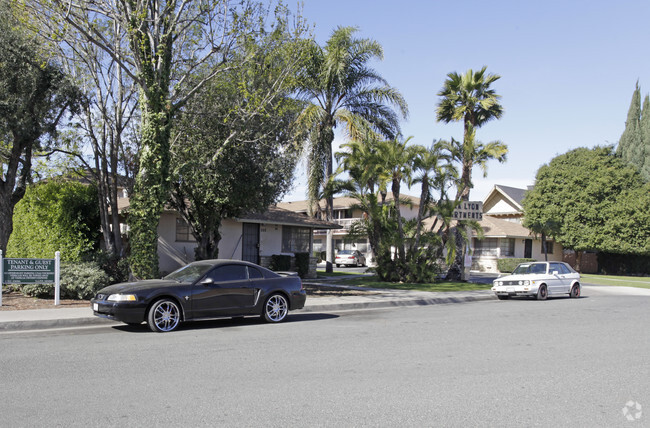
<point>251,243</point>
<point>528,249</point>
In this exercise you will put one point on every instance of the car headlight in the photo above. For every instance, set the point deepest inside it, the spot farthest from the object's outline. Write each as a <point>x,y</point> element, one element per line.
<point>524,282</point>
<point>497,283</point>
<point>122,298</point>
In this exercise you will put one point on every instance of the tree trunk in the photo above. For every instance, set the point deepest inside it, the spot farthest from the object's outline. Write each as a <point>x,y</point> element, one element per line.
<point>400,226</point>
<point>151,189</point>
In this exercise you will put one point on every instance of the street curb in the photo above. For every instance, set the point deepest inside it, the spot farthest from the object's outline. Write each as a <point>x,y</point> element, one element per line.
<point>395,303</point>
<point>52,323</point>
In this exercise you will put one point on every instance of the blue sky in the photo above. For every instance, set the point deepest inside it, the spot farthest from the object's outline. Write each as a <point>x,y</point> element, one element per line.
<point>568,70</point>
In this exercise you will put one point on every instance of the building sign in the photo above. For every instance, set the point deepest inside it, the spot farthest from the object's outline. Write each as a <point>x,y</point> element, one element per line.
<point>28,271</point>
<point>469,210</point>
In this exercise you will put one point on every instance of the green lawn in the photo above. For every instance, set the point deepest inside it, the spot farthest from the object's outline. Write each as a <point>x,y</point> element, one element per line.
<point>373,282</point>
<point>626,281</point>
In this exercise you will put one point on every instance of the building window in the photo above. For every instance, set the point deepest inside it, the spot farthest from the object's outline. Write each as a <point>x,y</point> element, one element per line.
<point>549,247</point>
<point>295,239</point>
<point>183,233</point>
<point>507,246</point>
<point>486,247</point>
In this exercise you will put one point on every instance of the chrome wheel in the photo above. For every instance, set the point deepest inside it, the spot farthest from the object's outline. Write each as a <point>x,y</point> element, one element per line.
<point>276,308</point>
<point>163,316</point>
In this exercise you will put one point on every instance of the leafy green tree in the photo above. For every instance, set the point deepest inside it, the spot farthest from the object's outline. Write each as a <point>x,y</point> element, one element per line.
<point>34,95</point>
<point>573,195</point>
<point>56,216</point>
<point>234,148</point>
<point>345,91</point>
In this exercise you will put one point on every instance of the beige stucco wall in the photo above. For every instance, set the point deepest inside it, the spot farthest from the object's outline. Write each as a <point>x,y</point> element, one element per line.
<point>172,254</point>
<point>489,263</point>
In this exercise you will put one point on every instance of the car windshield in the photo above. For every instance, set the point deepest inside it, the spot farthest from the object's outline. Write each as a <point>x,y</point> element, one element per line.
<point>189,273</point>
<point>528,268</point>
<point>345,252</point>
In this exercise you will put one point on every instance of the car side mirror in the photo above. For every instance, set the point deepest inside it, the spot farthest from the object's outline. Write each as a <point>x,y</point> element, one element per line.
<point>556,272</point>
<point>207,281</point>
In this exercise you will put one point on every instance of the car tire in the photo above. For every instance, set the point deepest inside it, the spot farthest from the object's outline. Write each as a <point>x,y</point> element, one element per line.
<point>163,316</point>
<point>338,265</point>
<point>575,291</point>
<point>275,308</point>
<point>501,297</point>
<point>542,293</point>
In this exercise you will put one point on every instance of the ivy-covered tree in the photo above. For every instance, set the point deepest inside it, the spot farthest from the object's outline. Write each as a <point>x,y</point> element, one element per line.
<point>170,44</point>
<point>576,196</point>
<point>34,95</point>
<point>56,216</point>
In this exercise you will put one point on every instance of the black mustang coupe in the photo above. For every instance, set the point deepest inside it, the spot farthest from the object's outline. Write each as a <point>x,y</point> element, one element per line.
<point>202,290</point>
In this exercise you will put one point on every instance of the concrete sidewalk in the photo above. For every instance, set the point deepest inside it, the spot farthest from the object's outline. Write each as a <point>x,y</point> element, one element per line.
<point>37,319</point>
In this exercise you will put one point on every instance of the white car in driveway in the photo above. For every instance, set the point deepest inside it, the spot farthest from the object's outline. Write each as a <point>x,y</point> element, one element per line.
<point>539,280</point>
<point>350,258</point>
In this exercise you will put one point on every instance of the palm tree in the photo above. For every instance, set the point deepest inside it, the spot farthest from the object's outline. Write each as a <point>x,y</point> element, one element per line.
<point>397,159</point>
<point>469,98</point>
<point>433,170</point>
<point>343,90</point>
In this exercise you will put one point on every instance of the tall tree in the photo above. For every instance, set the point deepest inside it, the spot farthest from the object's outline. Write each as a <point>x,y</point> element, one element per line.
<point>630,145</point>
<point>644,124</point>
<point>168,41</point>
<point>343,90</point>
<point>34,95</point>
<point>470,99</point>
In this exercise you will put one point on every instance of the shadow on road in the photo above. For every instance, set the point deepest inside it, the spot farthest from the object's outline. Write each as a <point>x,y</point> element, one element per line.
<point>227,322</point>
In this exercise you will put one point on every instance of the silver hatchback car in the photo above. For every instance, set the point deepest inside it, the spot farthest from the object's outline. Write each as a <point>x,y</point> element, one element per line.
<point>539,280</point>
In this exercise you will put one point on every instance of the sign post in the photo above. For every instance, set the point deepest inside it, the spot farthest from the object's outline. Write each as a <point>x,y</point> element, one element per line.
<point>1,276</point>
<point>32,271</point>
<point>468,210</point>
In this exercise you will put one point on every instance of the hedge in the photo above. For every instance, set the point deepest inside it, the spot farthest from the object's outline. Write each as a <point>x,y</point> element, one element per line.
<point>509,264</point>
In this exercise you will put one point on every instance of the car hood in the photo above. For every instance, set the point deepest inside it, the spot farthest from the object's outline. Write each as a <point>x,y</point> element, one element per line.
<point>136,286</point>
<point>520,277</point>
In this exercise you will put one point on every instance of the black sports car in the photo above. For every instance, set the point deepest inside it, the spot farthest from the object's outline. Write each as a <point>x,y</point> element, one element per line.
<point>202,290</point>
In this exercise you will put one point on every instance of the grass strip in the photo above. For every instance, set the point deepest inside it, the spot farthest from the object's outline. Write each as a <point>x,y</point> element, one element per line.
<point>373,282</point>
<point>614,280</point>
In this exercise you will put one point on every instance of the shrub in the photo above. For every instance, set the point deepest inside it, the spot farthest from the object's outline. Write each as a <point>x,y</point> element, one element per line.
<point>280,262</point>
<point>78,281</point>
<point>623,264</point>
<point>509,264</point>
<point>302,264</point>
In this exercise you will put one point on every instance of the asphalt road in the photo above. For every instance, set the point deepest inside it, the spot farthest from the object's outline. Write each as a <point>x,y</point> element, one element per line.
<point>561,362</point>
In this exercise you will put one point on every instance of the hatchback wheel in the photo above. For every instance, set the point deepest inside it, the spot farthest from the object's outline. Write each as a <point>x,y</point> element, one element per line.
<point>163,316</point>
<point>542,293</point>
<point>575,291</point>
<point>275,308</point>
